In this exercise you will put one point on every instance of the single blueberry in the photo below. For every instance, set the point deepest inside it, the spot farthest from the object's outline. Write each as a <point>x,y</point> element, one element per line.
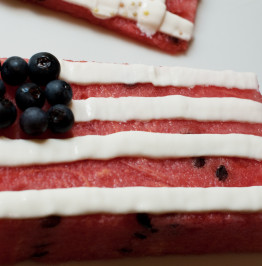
<point>34,121</point>
<point>29,95</point>
<point>58,92</point>
<point>8,113</point>
<point>60,118</point>
<point>43,67</point>
<point>14,70</point>
<point>2,89</point>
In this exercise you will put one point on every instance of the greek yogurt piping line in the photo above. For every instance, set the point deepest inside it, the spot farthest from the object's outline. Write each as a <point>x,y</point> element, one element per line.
<point>128,144</point>
<point>156,200</point>
<point>84,73</point>
<point>167,107</point>
<point>151,15</point>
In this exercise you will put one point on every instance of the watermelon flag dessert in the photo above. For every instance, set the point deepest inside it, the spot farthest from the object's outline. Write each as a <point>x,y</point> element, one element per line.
<point>167,25</point>
<point>139,161</point>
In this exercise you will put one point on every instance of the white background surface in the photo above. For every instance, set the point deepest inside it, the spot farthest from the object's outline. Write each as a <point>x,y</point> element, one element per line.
<point>228,35</point>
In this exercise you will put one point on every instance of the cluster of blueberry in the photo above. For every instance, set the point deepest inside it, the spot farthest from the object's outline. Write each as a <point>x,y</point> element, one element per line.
<point>42,71</point>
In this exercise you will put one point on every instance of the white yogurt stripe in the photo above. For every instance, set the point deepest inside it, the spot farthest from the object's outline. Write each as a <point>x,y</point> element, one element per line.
<point>83,200</point>
<point>151,15</point>
<point>106,73</point>
<point>167,107</point>
<point>129,143</point>
<point>177,27</point>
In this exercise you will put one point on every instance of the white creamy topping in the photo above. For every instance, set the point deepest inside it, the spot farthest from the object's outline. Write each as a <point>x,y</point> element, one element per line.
<point>151,15</point>
<point>167,107</point>
<point>129,143</point>
<point>83,200</point>
<point>105,73</point>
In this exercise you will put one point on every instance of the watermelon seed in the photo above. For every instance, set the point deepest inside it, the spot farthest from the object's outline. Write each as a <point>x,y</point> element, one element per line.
<point>40,254</point>
<point>199,162</point>
<point>221,173</point>
<point>154,230</point>
<point>131,85</point>
<point>126,250</point>
<point>51,221</point>
<point>174,225</point>
<point>140,236</point>
<point>174,40</point>
<point>144,220</point>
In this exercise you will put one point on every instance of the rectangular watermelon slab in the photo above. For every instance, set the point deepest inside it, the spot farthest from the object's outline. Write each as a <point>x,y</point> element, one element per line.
<point>167,25</point>
<point>161,160</point>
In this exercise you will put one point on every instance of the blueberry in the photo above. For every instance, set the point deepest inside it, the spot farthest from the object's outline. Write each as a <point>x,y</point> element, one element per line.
<point>14,70</point>
<point>43,67</point>
<point>2,89</point>
<point>60,118</point>
<point>34,121</point>
<point>29,95</point>
<point>58,92</point>
<point>8,113</point>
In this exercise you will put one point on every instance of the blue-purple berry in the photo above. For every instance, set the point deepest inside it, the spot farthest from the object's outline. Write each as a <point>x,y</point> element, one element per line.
<point>43,67</point>
<point>58,92</point>
<point>34,121</point>
<point>60,118</point>
<point>14,70</point>
<point>8,113</point>
<point>29,95</point>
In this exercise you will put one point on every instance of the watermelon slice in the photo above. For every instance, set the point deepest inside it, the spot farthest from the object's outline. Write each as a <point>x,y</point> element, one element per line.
<point>172,29</point>
<point>57,236</point>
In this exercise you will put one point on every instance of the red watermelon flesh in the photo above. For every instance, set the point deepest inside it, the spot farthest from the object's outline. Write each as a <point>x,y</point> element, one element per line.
<point>110,236</point>
<point>184,8</point>
<point>173,172</point>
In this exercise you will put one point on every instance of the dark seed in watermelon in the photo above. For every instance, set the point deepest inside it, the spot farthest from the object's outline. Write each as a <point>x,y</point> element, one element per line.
<point>51,221</point>
<point>199,162</point>
<point>144,220</point>
<point>221,173</point>
<point>154,230</point>
<point>126,250</point>
<point>40,254</point>
<point>140,235</point>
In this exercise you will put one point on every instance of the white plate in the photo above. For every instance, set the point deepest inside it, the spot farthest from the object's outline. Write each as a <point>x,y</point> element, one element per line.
<point>228,35</point>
